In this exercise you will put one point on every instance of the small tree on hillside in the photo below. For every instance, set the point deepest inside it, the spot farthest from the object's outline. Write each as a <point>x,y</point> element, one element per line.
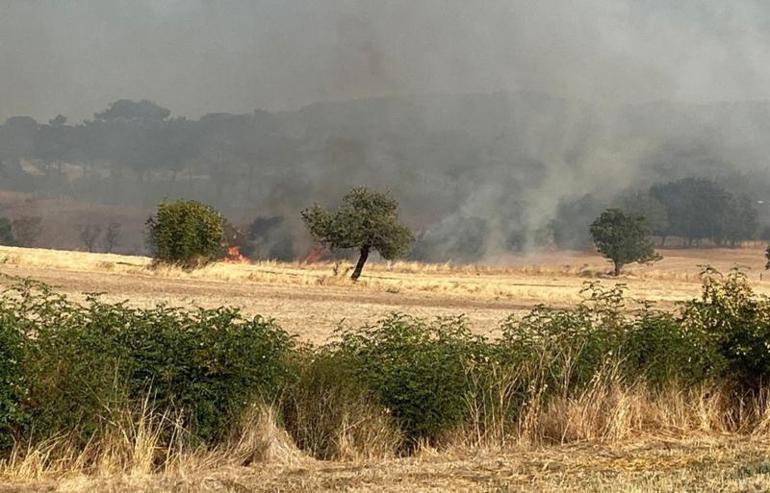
<point>767,256</point>
<point>89,233</point>
<point>6,233</point>
<point>186,232</point>
<point>367,220</point>
<point>623,238</point>
<point>111,236</point>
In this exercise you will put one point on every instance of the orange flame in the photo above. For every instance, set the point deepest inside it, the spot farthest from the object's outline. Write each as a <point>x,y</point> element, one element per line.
<point>315,254</point>
<point>234,256</point>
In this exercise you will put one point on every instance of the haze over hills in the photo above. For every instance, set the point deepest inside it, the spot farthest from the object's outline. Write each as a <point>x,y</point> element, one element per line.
<point>480,117</point>
<point>476,174</point>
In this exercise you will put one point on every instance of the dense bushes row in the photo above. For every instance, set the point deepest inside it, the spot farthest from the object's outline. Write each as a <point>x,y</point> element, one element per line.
<point>65,369</point>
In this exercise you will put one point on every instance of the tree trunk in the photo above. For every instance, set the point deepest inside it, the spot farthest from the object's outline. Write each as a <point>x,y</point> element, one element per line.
<point>361,262</point>
<point>617,268</point>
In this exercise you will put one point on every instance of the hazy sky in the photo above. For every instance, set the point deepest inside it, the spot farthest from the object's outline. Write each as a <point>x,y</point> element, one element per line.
<point>74,57</point>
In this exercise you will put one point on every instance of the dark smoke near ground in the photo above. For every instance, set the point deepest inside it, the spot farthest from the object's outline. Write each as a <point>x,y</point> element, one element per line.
<point>500,127</point>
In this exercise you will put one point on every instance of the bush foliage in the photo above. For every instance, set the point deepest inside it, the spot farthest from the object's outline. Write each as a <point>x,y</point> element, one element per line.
<point>416,369</point>
<point>68,365</point>
<point>367,220</point>
<point>66,368</point>
<point>186,232</point>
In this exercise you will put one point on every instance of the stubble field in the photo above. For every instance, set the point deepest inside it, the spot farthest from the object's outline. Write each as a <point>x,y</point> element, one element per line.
<point>310,300</point>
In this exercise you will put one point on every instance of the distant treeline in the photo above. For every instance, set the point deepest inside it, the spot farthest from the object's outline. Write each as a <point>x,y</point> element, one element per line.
<point>691,211</point>
<point>475,175</point>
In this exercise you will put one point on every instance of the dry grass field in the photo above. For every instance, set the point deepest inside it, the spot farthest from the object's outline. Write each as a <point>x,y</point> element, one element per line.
<point>646,465</point>
<point>685,452</point>
<point>485,293</point>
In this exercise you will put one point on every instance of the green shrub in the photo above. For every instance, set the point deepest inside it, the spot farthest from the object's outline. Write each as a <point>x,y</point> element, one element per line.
<point>69,374</point>
<point>573,344</point>
<point>83,362</point>
<point>67,368</point>
<point>209,363</point>
<point>659,348</point>
<point>13,384</point>
<point>569,344</point>
<point>186,232</point>
<point>566,343</point>
<point>416,369</point>
<point>735,327</point>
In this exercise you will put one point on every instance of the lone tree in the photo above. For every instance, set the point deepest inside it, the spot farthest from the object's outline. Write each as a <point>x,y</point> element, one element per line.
<point>623,238</point>
<point>6,232</point>
<point>186,232</point>
<point>89,233</point>
<point>111,236</point>
<point>366,220</point>
<point>767,256</point>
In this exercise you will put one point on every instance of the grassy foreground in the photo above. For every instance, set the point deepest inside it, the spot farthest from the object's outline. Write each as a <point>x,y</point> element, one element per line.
<point>709,464</point>
<point>606,396</point>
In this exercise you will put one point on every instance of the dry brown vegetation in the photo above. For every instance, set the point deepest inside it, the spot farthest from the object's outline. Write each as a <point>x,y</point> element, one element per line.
<point>608,438</point>
<point>485,293</point>
<point>604,440</point>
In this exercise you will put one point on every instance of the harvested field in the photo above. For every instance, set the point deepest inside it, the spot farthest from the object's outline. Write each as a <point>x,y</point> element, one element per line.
<point>325,296</point>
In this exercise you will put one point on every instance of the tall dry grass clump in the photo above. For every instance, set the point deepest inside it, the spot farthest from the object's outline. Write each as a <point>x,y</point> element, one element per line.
<point>332,416</point>
<point>147,442</point>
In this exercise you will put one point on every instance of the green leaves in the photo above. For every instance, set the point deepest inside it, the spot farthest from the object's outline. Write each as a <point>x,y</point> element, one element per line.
<point>733,324</point>
<point>64,367</point>
<point>13,382</point>
<point>365,218</point>
<point>416,369</point>
<point>623,238</point>
<point>186,232</point>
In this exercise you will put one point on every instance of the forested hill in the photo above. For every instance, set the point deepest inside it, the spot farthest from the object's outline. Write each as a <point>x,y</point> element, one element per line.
<point>475,174</point>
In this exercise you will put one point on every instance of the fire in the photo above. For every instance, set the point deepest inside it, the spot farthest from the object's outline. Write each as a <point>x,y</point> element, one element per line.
<point>234,256</point>
<point>315,254</point>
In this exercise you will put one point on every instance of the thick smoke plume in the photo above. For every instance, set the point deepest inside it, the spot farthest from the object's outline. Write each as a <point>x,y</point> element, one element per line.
<point>481,117</point>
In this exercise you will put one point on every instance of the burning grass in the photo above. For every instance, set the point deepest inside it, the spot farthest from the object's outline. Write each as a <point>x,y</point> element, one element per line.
<point>549,278</point>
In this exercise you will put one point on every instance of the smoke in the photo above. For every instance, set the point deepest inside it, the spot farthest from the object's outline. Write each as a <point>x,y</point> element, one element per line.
<point>481,117</point>
<point>197,57</point>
